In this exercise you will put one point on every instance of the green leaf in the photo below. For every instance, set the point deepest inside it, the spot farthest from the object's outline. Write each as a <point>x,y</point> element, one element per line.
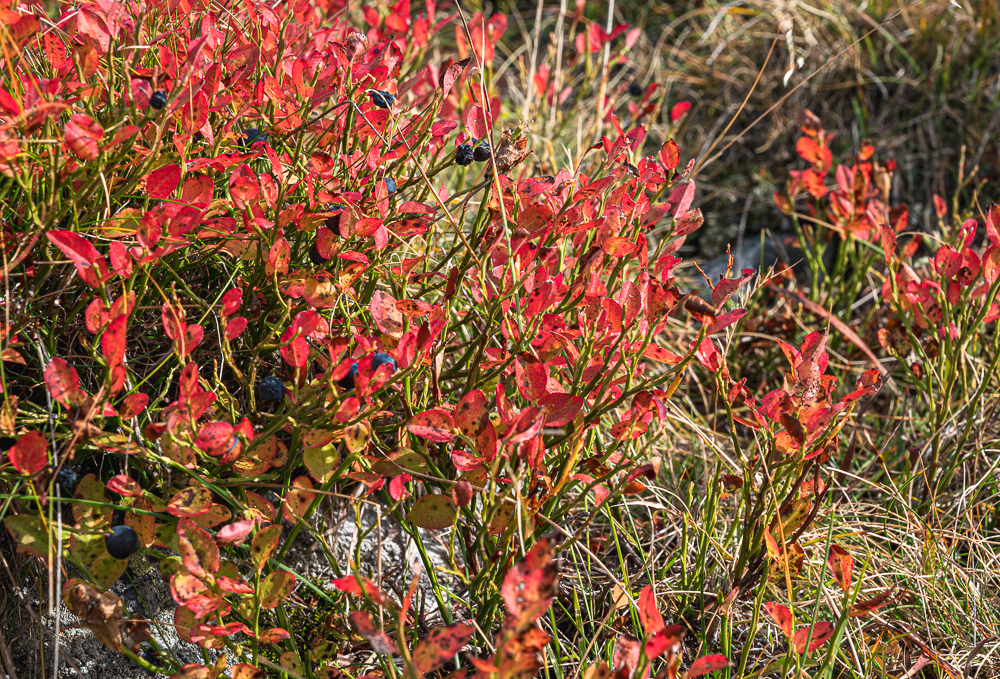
<point>275,588</point>
<point>87,546</point>
<point>321,462</point>
<point>263,545</point>
<point>106,570</point>
<point>90,516</point>
<point>29,533</point>
<point>432,511</point>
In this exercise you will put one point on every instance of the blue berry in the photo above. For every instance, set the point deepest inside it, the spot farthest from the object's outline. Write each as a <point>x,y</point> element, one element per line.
<point>121,542</point>
<point>347,381</point>
<point>158,100</point>
<point>314,255</point>
<point>382,359</point>
<point>333,222</point>
<point>251,136</point>
<point>481,154</point>
<point>464,155</point>
<point>382,99</point>
<point>270,389</point>
<point>635,89</point>
<point>153,658</point>
<point>66,477</point>
<point>391,185</point>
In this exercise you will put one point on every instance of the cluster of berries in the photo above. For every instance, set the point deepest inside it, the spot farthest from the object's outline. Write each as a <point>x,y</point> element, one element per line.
<point>466,153</point>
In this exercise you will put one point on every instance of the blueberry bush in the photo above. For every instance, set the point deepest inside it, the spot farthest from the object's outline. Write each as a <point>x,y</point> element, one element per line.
<point>259,259</point>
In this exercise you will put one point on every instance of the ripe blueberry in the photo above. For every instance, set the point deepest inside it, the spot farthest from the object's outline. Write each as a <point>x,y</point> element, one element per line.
<point>158,100</point>
<point>391,185</point>
<point>121,542</point>
<point>66,477</point>
<point>270,389</point>
<point>635,89</point>
<point>382,99</point>
<point>314,255</point>
<point>347,381</point>
<point>382,359</point>
<point>481,154</point>
<point>464,155</point>
<point>251,136</point>
<point>333,222</point>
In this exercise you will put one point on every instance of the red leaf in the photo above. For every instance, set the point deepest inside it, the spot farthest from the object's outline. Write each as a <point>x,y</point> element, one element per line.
<point>412,207</point>
<point>940,207</point>
<point>232,301</point>
<point>358,585</point>
<point>234,533</point>
<point>278,257</point>
<point>475,122</point>
<point>440,646</point>
<point>865,607</point>
<point>96,315</point>
<point>299,499</point>
<point>531,583</point>
<point>434,425</point>
<point>670,155</point>
<point>689,222</point>
<point>234,585</point>
<point>174,325</point>
<point>31,452</point>
<point>215,438</point>
<point>451,74</point>
<point>198,550</point>
<point>649,614</point>
<point>678,110</point>
<point>526,425</point>
<point>235,327</point>
<point>385,314</point>
<point>271,636</point>
<point>89,263</point>
<point>666,640</point>
<point>397,487</point>
<point>245,671</point>
<point>820,633</point>
<point>532,378</point>
<point>197,190</point>
<point>725,288</point>
<point>841,566</point>
<point>361,621</point>
<point>472,413</point>
<point>561,409</point>
<point>781,615</point>
<point>82,135</point>
<point>63,382</point>
<point>123,485</point>
<point>113,341</point>
<point>618,247</point>
<point>161,183</point>
<point>132,405</point>
<point>707,664</point>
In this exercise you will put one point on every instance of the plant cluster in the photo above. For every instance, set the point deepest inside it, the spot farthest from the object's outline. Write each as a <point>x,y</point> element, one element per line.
<point>257,259</point>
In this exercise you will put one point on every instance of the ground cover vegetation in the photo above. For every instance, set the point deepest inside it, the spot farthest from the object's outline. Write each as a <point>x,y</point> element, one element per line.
<point>266,260</point>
